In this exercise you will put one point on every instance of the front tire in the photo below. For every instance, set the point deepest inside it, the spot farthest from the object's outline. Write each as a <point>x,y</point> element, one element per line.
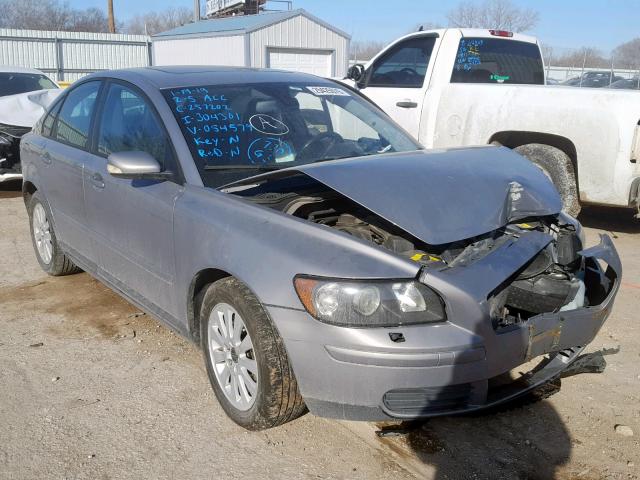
<point>558,167</point>
<point>48,252</point>
<point>245,357</point>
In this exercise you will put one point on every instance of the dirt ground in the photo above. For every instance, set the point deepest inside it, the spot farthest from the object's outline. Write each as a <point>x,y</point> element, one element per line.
<point>90,388</point>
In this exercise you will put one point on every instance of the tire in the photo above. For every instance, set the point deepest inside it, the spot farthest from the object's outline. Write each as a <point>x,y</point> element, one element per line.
<point>558,167</point>
<point>51,258</point>
<point>275,399</point>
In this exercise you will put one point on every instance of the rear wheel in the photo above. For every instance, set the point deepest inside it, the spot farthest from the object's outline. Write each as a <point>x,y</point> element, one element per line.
<point>48,252</point>
<point>245,357</point>
<point>556,165</point>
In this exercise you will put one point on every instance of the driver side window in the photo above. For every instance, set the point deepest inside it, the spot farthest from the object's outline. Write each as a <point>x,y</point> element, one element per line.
<point>404,66</point>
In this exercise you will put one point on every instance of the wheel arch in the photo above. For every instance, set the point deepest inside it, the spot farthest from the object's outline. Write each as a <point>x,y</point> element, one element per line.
<point>516,138</point>
<point>198,285</point>
<point>28,189</point>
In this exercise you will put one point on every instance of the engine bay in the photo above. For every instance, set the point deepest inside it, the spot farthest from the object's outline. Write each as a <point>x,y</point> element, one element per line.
<point>552,281</point>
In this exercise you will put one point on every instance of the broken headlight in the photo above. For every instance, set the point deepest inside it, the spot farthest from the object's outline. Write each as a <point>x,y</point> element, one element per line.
<point>351,303</point>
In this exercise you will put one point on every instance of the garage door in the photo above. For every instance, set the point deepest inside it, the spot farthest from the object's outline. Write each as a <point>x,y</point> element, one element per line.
<point>316,62</point>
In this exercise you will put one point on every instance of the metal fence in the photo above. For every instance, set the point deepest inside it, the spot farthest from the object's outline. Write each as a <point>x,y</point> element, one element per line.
<point>67,56</point>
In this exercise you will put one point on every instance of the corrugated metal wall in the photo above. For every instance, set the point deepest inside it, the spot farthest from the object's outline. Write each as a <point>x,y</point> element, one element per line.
<point>67,56</point>
<point>218,50</point>
<point>299,32</point>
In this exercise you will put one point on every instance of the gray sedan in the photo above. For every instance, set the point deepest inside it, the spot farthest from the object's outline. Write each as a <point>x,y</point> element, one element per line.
<point>318,255</point>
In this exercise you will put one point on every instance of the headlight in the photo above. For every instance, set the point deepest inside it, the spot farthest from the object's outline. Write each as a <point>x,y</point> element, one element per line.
<point>369,303</point>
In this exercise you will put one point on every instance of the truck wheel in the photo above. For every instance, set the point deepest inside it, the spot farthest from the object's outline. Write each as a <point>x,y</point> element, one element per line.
<point>245,357</point>
<point>48,252</point>
<point>558,167</point>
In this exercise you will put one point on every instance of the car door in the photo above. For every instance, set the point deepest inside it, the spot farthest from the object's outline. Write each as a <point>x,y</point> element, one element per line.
<point>132,220</point>
<point>62,163</point>
<point>396,80</point>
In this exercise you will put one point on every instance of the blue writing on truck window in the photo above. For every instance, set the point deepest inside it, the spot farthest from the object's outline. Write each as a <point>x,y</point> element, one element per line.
<point>468,53</point>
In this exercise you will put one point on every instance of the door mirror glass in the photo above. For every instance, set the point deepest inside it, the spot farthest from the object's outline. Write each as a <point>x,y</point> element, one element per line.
<point>134,165</point>
<point>356,73</point>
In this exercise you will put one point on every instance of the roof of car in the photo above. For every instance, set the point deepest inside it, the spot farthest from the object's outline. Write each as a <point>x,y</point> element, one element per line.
<point>16,69</point>
<point>183,76</point>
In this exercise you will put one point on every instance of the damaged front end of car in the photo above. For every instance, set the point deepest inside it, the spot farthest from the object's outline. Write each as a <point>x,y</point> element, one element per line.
<point>10,136</point>
<point>512,274</point>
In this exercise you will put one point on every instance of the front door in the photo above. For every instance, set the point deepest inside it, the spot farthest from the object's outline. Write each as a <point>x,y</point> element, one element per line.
<point>396,81</point>
<point>132,220</point>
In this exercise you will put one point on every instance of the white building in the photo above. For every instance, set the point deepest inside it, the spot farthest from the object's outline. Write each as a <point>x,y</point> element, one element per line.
<point>289,40</point>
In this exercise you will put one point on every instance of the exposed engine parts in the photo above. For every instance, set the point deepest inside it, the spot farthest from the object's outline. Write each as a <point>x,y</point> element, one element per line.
<point>553,280</point>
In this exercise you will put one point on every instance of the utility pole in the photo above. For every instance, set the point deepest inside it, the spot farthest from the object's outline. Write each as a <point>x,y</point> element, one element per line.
<point>112,22</point>
<point>196,10</point>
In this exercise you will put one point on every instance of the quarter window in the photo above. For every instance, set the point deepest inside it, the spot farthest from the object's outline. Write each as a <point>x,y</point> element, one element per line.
<point>47,124</point>
<point>405,65</point>
<point>129,123</point>
<point>76,113</point>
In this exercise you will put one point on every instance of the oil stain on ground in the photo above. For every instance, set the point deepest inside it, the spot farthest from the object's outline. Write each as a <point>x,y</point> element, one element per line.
<point>81,303</point>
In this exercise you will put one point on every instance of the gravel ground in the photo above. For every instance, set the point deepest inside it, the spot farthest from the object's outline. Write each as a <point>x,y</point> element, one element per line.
<point>92,388</point>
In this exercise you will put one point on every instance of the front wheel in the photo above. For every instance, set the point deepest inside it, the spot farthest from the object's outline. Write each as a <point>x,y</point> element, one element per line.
<point>556,165</point>
<point>48,252</point>
<point>246,360</point>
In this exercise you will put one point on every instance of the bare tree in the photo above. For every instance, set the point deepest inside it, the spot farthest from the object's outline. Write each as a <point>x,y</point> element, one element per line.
<point>586,56</point>
<point>365,50</point>
<point>498,14</point>
<point>627,55</point>
<point>50,15</point>
<point>156,22</point>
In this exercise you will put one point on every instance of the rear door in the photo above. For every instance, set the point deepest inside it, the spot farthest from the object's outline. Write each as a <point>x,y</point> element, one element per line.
<point>132,220</point>
<point>397,80</point>
<point>63,160</point>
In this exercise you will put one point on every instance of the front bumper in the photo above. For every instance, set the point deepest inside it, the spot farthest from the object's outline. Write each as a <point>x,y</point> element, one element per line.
<point>440,369</point>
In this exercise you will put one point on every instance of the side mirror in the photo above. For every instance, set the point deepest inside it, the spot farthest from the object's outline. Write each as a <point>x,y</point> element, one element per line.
<point>135,165</point>
<point>356,73</point>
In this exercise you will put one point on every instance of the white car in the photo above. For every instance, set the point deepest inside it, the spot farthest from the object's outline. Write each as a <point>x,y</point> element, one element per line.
<point>461,87</point>
<point>24,95</point>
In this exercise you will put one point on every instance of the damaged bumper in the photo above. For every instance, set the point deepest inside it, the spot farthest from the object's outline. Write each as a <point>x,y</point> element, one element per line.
<point>457,366</point>
<point>10,167</point>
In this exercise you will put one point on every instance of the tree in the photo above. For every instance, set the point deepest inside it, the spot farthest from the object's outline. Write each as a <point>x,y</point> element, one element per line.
<point>365,50</point>
<point>627,55</point>
<point>50,15</point>
<point>589,57</point>
<point>155,22</point>
<point>498,14</point>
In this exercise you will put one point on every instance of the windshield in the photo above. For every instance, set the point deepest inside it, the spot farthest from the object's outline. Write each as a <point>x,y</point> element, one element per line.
<point>236,131</point>
<point>493,60</point>
<point>14,83</point>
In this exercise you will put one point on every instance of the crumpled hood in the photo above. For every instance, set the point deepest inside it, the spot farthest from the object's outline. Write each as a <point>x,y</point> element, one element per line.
<point>445,195</point>
<point>25,109</point>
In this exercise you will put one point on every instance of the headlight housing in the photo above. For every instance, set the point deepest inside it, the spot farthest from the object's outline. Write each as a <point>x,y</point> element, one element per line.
<point>350,303</point>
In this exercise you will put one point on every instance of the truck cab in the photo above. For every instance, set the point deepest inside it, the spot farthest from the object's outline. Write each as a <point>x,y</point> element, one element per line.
<point>460,87</point>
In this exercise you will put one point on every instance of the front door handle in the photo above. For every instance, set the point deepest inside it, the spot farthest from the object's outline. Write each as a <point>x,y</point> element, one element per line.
<point>97,180</point>
<point>406,104</point>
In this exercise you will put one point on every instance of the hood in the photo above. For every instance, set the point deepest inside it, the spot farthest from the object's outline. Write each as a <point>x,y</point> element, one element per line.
<point>440,196</point>
<point>25,109</point>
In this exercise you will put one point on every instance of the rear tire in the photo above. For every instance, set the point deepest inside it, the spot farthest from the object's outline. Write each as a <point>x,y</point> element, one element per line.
<point>48,251</point>
<point>239,338</point>
<point>558,167</point>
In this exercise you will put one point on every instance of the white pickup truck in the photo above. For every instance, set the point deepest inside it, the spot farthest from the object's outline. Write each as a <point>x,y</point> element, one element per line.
<point>460,87</point>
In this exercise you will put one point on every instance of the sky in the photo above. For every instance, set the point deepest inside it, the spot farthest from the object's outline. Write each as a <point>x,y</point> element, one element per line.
<point>603,24</point>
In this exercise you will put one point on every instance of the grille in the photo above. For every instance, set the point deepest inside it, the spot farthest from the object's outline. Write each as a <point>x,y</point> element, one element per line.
<point>421,401</point>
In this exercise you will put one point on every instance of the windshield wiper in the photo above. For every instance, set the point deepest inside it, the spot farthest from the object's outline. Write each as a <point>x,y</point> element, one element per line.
<point>260,168</point>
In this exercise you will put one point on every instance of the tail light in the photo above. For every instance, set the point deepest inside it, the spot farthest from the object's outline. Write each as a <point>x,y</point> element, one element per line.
<point>501,33</point>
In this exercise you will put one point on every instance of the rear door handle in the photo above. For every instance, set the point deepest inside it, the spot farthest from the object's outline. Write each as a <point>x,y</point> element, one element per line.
<point>406,104</point>
<point>97,180</point>
<point>46,158</point>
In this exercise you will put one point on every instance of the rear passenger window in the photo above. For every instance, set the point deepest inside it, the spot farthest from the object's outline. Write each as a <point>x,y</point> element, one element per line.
<point>74,119</point>
<point>129,123</point>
